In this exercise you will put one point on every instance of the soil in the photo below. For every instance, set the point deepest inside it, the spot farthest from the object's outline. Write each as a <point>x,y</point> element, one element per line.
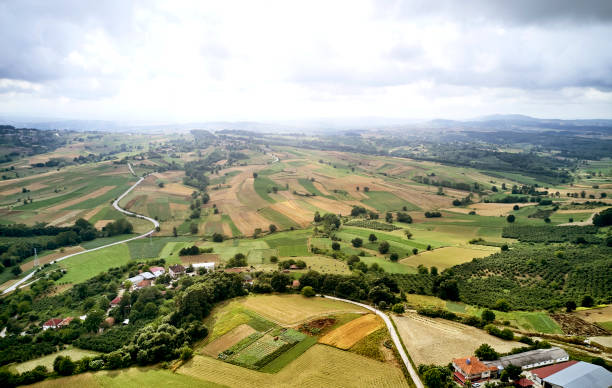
<point>572,325</point>
<point>320,324</point>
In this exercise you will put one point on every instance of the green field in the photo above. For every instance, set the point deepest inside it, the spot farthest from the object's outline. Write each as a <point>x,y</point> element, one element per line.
<point>74,353</point>
<point>227,219</point>
<point>384,201</point>
<point>87,265</point>
<point>310,187</point>
<point>287,357</point>
<point>262,184</point>
<point>278,219</point>
<point>388,265</point>
<point>292,243</point>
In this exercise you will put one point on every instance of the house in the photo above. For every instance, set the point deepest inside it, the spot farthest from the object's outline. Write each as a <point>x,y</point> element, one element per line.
<point>157,271</point>
<point>52,323</point>
<point>295,284</point>
<point>471,369</point>
<point>176,270</point>
<point>142,284</point>
<point>579,375</point>
<point>209,266</point>
<point>110,321</point>
<point>293,266</point>
<point>538,374</point>
<point>147,275</point>
<point>65,322</point>
<point>115,302</point>
<point>531,359</point>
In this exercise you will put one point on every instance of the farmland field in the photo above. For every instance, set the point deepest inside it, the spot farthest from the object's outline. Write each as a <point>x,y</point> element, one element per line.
<point>448,256</point>
<point>87,265</point>
<point>350,333</point>
<point>292,309</point>
<point>438,341</point>
<point>318,366</point>
<point>47,361</point>
<point>384,201</point>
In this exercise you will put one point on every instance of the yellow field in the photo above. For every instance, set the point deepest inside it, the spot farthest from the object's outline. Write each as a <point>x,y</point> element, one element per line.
<point>350,333</point>
<point>488,209</point>
<point>438,341</point>
<point>324,264</point>
<point>448,256</point>
<point>319,366</point>
<point>293,309</point>
<point>596,315</point>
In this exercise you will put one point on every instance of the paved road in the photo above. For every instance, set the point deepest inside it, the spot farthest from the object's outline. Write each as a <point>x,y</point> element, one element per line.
<point>394,337</point>
<point>116,206</point>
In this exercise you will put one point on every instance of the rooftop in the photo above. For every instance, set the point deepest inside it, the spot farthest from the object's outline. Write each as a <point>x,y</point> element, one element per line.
<point>581,375</point>
<point>551,369</point>
<point>529,358</point>
<point>471,365</point>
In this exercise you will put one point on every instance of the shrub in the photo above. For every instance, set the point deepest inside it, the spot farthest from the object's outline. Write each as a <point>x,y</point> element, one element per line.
<point>398,308</point>
<point>383,247</point>
<point>335,246</point>
<point>357,242</point>
<point>511,218</point>
<point>308,291</point>
<point>217,237</point>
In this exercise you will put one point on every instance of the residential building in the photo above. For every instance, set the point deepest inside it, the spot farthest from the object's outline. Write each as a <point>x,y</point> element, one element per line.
<point>115,302</point>
<point>52,323</point>
<point>142,284</point>
<point>579,375</point>
<point>65,322</point>
<point>136,279</point>
<point>157,271</point>
<point>176,270</point>
<point>531,359</point>
<point>471,369</point>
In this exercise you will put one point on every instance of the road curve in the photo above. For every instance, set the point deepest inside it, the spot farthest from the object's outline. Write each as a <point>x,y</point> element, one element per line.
<point>116,206</point>
<point>394,337</point>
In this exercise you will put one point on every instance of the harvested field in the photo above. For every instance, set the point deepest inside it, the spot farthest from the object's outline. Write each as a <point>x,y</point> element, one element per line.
<point>176,189</point>
<point>438,341</point>
<point>94,194</point>
<point>573,325</point>
<point>350,333</point>
<point>292,210</point>
<point>487,209</point>
<point>64,217</point>
<point>228,340</point>
<point>319,366</point>
<point>329,205</point>
<point>203,258</point>
<point>293,309</point>
<point>596,315</point>
<point>50,257</point>
<point>448,256</point>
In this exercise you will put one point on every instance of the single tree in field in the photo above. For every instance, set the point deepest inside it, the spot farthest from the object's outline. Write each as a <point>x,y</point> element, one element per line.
<point>372,237</point>
<point>434,271</point>
<point>570,306</point>
<point>383,247</point>
<point>193,228</point>
<point>174,231</point>
<point>510,218</point>
<point>486,353</point>
<point>587,301</point>
<point>415,251</point>
<point>408,234</point>
<point>272,228</point>
<point>394,257</point>
<point>357,242</point>
<point>488,316</point>
<point>335,246</point>
<point>255,175</point>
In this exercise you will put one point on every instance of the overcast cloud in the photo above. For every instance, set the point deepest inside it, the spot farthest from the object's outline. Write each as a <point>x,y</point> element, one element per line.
<point>276,60</point>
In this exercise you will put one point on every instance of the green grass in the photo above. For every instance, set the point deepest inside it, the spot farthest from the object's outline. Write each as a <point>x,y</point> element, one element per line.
<point>278,219</point>
<point>388,265</point>
<point>262,184</point>
<point>149,247</point>
<point>106,213</point>
<point>74,353</point>
<point>308,185</point>
<point>290,243</point>
<point>87,265</point>
<point>146,377</point>
<point>384,201</point>
<point>235,231</point>
<point>287,357</point>
<point>106,240</point>
<point>605,325</point>
<point>159,210</point>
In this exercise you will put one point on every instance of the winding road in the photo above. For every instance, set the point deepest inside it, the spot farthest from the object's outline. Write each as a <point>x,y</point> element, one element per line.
<point>116,206</point>
<point>394,336</point>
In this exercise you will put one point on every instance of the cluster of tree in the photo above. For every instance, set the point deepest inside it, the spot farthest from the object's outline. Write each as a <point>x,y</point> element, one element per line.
<point>603,218</point>
<point>433,214</point>
<point>195,171</point>
<point>194,250</point>
<point>553,234</point>
<point>40,237</point>
<point>428,180</point>
<point>404,217</point>
<point>120,226</point>
<point>239,260</point>
<point>286,264</point>
<point>326,224</point>
<point>464,201</point>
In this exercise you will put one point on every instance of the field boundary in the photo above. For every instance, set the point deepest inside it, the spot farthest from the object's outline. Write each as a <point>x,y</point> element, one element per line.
<point>116,206</point>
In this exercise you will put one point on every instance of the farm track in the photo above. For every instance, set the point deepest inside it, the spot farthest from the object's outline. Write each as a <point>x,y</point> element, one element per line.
<point>394,336</point>
<point>117,207</point>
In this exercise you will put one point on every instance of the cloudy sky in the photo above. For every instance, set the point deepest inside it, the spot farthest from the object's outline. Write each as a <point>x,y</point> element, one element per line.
<point>187,61</point>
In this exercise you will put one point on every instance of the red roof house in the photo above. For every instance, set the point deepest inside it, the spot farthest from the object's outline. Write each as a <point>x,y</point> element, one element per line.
<point>143,284</point>
<point>295,284</point>
<point>471,369</point>
<point>524,383</point>
<point>115,302</point>
<point>66,321</point>
<point>52,323</point>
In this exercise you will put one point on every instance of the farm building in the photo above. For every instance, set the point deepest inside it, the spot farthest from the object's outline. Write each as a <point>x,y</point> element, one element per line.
<point>531,359</point>
<point>176,270</point>
<point>207,266</point>
<point>538,374</point>
<point>52,323</point>
<point>136,279</point>
<point>157,271</point>
<point>579,375</point>
<point>472,369</point>
<point>147,275</point>
<point>524,383</point>
<point>142,284</point>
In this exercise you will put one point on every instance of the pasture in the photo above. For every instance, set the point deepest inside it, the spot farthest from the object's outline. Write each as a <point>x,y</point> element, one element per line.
<point>446,257</point>
<point>87,265</point>
<point>47,361</point>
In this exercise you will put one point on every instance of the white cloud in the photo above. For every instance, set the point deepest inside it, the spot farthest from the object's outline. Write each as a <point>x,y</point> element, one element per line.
<point>244,60</point>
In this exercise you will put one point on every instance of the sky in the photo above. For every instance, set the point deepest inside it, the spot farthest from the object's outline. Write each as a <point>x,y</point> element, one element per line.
<point>188,61</point>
